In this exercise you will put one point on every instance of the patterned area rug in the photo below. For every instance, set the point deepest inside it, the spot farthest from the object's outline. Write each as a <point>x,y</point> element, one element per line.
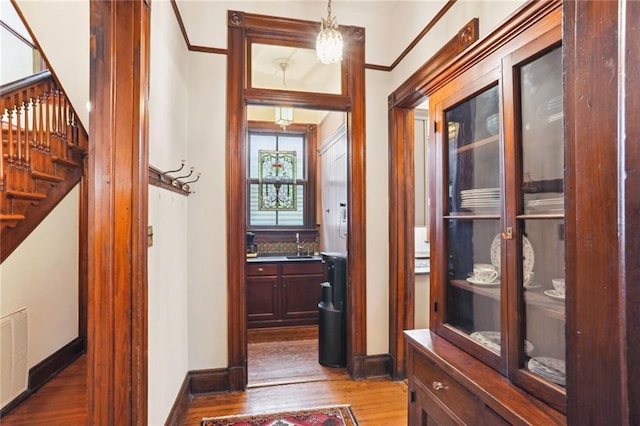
<point>337,415</point>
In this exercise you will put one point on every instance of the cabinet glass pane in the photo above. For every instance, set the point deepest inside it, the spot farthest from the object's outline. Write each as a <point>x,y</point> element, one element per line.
<point>542,136</point>
<point>473,281</point>
<point>472,132</point>
<point>542,174</point>
<point>544,299</point>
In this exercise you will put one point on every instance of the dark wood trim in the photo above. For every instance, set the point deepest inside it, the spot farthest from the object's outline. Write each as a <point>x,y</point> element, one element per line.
<point>401,233</point>
<point>83,259</point>
<point>377,366</point>
<point>241,27</point>
<point>631,147</point>
<point>294,99</point>
<point>409,94</point>
<point>209,381</point>
<point>49,367</point>
<point>169,183</point>
<point>376,67</point>
<point>46,370</point>
<point>180,406</point>
<point>599,306</point>
<point>118,211</point>
<point>205,49</point>
<point>424,32</point>
<point>402,194</point>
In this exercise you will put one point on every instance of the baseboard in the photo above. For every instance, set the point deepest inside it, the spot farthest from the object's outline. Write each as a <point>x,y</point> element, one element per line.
<point>47,369</point>
<point>181,405</point>
<point>370,366</point>
<point>209,381</point>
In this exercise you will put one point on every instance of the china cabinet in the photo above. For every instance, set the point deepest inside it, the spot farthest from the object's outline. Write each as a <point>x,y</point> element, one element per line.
<point>497,287</point>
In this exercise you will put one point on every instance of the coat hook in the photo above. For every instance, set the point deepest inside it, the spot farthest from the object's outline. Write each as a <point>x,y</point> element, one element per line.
<point>185,176</point>
<point>196,179</point>
<point>182,163</point>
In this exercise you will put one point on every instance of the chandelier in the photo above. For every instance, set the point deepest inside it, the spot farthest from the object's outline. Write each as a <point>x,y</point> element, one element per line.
<point>284,115</point>
<point>329,42</point>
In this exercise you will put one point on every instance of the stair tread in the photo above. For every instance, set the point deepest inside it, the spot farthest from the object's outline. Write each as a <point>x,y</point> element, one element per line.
<point>46,176</point>
<point>26,195</point>
<point>64,161</point>
<point>11,217</point>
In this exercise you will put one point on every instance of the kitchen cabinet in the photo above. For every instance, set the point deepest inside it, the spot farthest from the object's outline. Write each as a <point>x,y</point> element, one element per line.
<point>283,293</point>
<point>498,241</point>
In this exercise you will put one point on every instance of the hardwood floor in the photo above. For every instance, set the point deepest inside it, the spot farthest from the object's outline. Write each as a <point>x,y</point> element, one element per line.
<point>284,374</point>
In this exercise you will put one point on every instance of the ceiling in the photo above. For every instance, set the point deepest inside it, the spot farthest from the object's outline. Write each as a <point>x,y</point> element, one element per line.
<point>390,26</point>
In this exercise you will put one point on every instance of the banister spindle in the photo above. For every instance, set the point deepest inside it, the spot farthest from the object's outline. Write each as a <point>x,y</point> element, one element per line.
<point>28,131</point>
<point>47,121</point>
<point>11,149</point>
<point>19,109</point>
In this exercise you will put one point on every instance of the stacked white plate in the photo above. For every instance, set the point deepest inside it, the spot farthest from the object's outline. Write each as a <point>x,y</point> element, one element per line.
<point>549,205</point>
<point>480,199</point>
<point>552,369</point>
<point>491,339</point>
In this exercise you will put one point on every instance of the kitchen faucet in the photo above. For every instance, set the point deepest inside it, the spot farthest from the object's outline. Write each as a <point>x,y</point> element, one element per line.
<point>298,245</point>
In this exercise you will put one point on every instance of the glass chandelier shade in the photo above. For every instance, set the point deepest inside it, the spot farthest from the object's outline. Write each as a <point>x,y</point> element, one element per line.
<point>284,117</point>
<point>329,43</point>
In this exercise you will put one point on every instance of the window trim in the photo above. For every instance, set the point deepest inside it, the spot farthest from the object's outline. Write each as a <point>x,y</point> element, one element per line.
<point>309,131</point>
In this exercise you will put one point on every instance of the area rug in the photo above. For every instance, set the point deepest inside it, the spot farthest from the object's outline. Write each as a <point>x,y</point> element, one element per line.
<point>335,415</point>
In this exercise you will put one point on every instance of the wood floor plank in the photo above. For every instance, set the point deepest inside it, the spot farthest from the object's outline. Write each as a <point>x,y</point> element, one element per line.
<point>283,375</point>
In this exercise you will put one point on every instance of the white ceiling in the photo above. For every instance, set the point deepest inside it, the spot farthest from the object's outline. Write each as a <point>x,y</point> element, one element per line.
<point>389,25</point>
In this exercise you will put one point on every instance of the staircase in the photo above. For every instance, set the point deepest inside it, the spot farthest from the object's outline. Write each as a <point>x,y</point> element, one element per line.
<point>42,151</point>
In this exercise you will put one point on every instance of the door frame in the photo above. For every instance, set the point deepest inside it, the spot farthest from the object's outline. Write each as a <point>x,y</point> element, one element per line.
<point>292,32</point>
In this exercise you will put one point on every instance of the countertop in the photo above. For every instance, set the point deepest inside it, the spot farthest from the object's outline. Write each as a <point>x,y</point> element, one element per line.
<point>282,258</point>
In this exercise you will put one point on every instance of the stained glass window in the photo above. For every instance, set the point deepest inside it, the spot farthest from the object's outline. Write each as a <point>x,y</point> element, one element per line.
<point>276,181</point>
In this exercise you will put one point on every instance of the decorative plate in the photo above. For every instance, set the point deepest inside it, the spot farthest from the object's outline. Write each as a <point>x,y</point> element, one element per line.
<point>528,257</point>
<point>552,369</point>
<point>491,340</point>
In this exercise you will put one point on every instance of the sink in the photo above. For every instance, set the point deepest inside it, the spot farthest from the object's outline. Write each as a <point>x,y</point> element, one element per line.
<point>302,256</point>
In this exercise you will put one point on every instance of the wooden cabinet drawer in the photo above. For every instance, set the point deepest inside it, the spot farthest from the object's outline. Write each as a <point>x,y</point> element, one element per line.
<point>465,405</point>
<point>262,269</point>
<point>302,268</point>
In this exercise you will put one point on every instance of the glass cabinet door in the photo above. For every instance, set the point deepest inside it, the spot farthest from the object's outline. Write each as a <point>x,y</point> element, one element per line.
<point>541,216</point>
<point>472,218</point>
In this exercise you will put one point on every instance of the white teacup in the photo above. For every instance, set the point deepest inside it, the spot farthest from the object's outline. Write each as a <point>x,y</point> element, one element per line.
<point>527,278</point>
<point>484,272</point>
<point>558,286</point>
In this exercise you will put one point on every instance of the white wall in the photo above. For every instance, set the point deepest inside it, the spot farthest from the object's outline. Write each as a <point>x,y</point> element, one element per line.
<point>62,30</point>
<point>42,276</point>
<point>207,213</point>
<point>167,259</point>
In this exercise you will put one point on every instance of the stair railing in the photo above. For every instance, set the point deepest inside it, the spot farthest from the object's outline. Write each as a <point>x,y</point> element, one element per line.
<point>36,115</point>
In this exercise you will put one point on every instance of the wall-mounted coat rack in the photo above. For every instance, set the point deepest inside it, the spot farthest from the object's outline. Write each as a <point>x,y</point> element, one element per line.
<point>166,180</point>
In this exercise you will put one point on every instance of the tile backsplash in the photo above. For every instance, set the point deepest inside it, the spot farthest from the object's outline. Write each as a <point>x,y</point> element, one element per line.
<point>287,247</point>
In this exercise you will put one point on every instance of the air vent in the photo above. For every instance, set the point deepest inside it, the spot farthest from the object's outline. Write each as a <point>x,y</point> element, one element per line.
<point>13,357</point>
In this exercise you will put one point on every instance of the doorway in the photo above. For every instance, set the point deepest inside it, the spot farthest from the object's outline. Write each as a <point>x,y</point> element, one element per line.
<point>244,31</point>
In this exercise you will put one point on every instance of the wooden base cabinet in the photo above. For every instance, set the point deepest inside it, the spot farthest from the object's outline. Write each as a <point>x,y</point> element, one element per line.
<point>449,387</point>
<point>283,294</point>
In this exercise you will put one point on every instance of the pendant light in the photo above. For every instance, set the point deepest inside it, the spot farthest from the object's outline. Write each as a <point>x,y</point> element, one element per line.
<point>329,43</point>
<point>284,115</point>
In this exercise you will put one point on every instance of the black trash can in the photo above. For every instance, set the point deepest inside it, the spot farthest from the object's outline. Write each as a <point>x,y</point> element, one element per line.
<point>332,330</point>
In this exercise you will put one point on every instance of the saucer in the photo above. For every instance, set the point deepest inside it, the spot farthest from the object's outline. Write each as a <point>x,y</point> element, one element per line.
<point>474,280</point>
<point>552,294</point>
<point>531,286</point>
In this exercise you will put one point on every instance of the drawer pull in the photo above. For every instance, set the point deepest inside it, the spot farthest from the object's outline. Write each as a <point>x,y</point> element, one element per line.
<point>260,269</point>
<point>439,385</point>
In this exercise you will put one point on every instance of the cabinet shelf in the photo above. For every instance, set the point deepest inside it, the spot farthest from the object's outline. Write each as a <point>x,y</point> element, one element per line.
<point>532,298</point>
<point>478,143</point>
